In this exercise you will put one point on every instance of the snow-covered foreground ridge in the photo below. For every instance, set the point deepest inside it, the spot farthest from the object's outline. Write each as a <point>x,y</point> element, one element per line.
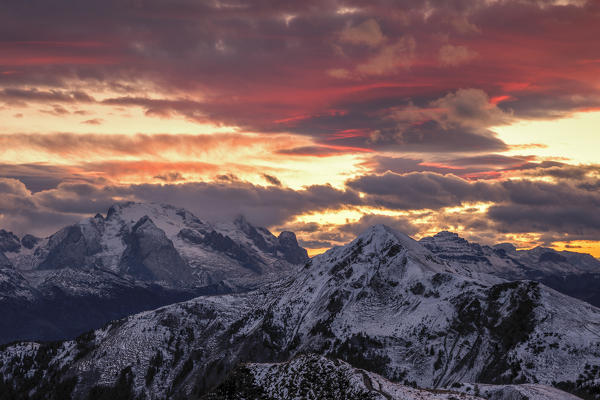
<point>382,303</point>
<point>316,377</point>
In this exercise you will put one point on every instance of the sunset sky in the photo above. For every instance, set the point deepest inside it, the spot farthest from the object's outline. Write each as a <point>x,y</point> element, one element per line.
<point>320,117</point>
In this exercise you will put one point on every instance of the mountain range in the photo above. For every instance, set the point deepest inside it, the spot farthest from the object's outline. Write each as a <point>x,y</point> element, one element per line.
<point>575,274</point>
<point>381,317</point>
<point>138,257</point>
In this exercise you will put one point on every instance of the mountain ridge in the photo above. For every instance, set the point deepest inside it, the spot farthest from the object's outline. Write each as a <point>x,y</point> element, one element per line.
<point>382,303</point>
<point>571,273</point>
<point>139,257</point>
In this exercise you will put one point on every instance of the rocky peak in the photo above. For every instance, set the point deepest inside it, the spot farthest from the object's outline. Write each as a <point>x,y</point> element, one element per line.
<point>29,241</point>
<point>507,247</point>
<point>288,245</point>
<point>9,242</point>
<point>69,247</point>
<point>241,222</point>
<point>151,256</point>
<point>447,235</point>
<point>379,237</point>
<point>445,238</point>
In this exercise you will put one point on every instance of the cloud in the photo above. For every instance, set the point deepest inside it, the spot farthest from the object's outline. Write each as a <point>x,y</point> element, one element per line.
<point>148,51</point>
<point>422,190</point>
<point>390,57</point>
<point>93,121</point>
<point>213,201</point>
<point>492,166</point>
<point>71,144</point>
<point>317,151</point>
<point>470,108</point>
<point>562,208</point>
<point>11,95</point>
<point>455,55</point>
<point>386,89</point>
<point>559,210</point>
<point>367,33</point>
<point>57,110</point>
<point>272,180</point>
<point>172,176</point>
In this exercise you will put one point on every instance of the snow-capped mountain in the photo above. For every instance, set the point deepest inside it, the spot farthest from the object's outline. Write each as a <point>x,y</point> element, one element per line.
<point>383,303</point>
<point>138,257</point>
<point>574,274</point>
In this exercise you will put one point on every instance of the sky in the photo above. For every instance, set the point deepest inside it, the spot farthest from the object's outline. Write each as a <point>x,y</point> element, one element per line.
<point>321,117</point>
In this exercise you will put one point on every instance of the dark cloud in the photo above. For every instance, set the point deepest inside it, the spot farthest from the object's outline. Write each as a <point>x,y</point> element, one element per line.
<point>11,95</point>
<point>37,177</point>
<point>560,210</point>
<point>420,79</point>
<point>414,191</point>
<point>565,221</point>
<point>484,166</point>
<point>265,206</point>
<point>562,207</point>
<point>490,160</point>
<point>170,177</point>
<point>315,244</point>
<point>321,71</point>
<point>272,180</point>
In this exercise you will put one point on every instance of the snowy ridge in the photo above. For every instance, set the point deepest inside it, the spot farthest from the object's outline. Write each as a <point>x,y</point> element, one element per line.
<point>383,303</point>
<point>316,377</point>
<point>574,274</point>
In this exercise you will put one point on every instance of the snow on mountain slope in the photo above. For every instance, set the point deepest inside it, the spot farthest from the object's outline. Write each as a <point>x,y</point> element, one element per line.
<point>504,259</point>
<point>138,257</point>
<point>382,303</point>
<point>236,252</point>
<point>574,274</point>
<point>517,392</point>
<point>316,377</point>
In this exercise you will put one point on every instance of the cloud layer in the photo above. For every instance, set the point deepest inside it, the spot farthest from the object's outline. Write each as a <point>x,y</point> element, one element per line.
<point>320,116</point>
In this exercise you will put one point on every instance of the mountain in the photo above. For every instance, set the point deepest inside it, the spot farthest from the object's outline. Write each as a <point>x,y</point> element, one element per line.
<point>574,274</point>
<point>138,257</point>
<point>382,303</point>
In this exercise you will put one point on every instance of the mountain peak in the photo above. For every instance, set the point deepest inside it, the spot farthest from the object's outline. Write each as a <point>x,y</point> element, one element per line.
<point>242,223</point>
<point>446,234</point>
<point>507,247</point>
<point>9,242</point>
<point>131,207</point>
<point>381,235</point>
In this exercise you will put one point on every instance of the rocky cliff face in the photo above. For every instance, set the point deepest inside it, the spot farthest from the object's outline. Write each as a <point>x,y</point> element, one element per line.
<point>151,256</point>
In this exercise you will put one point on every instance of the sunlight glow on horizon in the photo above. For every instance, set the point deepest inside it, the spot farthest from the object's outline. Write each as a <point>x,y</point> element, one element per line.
<point>575,137</point>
